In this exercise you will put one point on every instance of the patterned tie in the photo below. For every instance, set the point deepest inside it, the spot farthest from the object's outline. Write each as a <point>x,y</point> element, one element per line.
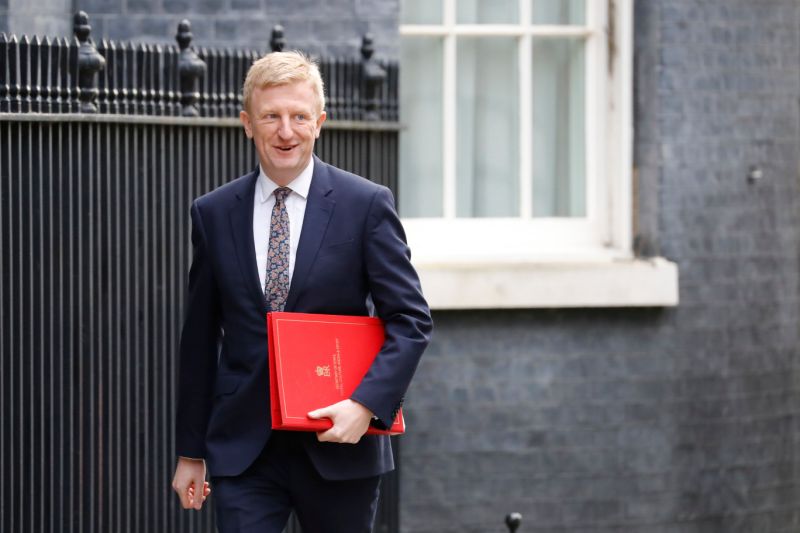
<point>276,288</point>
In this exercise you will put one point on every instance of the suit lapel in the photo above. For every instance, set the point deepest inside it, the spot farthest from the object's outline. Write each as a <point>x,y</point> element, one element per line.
<point>241,219</point>
<point>319,208</point>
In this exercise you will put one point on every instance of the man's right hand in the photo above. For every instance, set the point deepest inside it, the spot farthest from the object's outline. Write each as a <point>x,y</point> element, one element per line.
<point>189,474</point>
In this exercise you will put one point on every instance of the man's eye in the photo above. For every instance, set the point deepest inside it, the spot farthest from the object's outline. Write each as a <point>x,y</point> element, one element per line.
<point>301,117</point>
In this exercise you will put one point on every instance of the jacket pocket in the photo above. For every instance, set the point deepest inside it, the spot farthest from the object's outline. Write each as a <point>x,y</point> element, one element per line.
<point>338,247</point>
<point>226,384</point>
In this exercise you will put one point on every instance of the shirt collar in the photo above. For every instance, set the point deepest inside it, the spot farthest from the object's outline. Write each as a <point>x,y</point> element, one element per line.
<point>300,185</point>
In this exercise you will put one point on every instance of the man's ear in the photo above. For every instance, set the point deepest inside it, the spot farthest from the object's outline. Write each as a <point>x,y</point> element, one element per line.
<point>245,118</point>
<point>320,120</point>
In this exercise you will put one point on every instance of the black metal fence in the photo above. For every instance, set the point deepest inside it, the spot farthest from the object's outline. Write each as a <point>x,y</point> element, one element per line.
<point>94,250</point>
<point>73,75</point>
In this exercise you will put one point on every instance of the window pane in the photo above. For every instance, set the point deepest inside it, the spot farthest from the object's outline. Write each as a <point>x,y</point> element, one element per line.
<point>559,11</point>
<point>487,12</point>
<point>487,140</point>
<point>559,122</point>
<point>421,175</point>
<point>421,11</point>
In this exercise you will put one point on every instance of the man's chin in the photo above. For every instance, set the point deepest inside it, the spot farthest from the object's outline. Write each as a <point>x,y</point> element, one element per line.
<point>286,160</point>
<point>283,170</point>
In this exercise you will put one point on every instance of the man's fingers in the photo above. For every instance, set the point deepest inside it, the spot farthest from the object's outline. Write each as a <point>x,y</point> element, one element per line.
<point>206,492</point>
<point>197,500</point>
<point>193,501</point>
<point>336,435</point>
<point>324,436</point>
<point>183,493</point>
<point>206,488</point>
<point>350,421</point>
<point>186,499</point>
<point>320,413</point>
<point>332,434</point>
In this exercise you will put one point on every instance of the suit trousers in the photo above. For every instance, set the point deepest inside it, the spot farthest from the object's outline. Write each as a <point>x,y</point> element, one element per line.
<point>283,479</point>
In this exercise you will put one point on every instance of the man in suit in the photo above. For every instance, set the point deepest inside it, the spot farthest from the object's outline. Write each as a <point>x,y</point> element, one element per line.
<point>298,235</point>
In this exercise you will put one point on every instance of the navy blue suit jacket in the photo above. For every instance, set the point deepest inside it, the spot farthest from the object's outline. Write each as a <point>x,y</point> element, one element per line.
<point>352,246</point>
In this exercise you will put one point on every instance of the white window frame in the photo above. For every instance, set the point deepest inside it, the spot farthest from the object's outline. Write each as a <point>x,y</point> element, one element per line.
<point>545,262</point>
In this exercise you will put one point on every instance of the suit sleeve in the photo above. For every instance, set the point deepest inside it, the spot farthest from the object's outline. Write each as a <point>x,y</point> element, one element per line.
<point>198,348</point>
<point>397,296</point>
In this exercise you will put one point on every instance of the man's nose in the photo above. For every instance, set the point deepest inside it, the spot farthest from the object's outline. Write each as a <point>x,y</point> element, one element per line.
<point>285,128</point>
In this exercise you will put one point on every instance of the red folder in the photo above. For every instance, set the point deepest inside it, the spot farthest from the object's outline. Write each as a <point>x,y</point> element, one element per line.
<point>318,360</point>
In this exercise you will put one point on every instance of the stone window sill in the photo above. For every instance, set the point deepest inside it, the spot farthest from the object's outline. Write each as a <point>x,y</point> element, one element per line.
<point>530,284</point>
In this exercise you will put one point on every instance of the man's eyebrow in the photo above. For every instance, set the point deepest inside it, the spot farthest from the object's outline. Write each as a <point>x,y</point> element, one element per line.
<point>292,111</point>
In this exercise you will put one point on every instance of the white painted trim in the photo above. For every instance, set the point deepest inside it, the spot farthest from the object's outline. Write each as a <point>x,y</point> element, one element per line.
<point>525,13</point>
<point>620,131</point>
<point>525,58</point>
<point>450,113</point>
<point>631,283</point>
<point>493,30</point>
<point>439,239</point>
<point>596,141</point>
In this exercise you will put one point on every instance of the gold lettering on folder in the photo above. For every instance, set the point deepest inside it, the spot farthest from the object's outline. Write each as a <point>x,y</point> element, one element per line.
<point>337,368</point>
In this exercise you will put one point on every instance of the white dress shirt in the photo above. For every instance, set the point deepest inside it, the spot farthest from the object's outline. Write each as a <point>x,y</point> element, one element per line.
<point>263,203</point>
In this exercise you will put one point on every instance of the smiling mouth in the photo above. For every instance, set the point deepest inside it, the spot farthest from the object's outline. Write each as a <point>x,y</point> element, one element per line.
<point>284,148</point>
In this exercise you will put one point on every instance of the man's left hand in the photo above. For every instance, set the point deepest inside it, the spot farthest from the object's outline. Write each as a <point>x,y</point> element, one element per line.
<point>350,421</point>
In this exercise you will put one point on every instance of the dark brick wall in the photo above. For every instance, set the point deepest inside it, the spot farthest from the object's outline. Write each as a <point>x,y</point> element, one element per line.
<point>333,27</point>
<point>3,15</point>
<point>647,420</point>
<point>35,17</point>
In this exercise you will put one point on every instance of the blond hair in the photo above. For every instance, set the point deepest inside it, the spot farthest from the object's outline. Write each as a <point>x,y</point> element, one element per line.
<point>283,68</point>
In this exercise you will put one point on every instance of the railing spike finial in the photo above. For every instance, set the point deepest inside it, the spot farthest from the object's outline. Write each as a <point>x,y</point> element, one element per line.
<point>5,78</point>
<point>372,77</point>
<point>190,68</point>
<point>184,35</point>
<point>513,520</point>
<point>367,46</point>
<point>81,26</point>
<point>277,42</point>
<point>90,62</point>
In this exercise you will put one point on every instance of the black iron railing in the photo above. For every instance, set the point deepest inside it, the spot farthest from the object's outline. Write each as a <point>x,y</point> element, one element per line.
<point>102,149</point>
<point>73,75</point>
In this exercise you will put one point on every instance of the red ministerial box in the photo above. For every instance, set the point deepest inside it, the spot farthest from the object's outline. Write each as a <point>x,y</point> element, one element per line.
<point>318,360</point>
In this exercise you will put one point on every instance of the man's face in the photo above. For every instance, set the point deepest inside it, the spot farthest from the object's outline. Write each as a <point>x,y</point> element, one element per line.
<point>283,123</point>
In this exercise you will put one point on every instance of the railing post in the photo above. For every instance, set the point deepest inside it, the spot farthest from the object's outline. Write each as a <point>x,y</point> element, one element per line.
<point>90,62</point>
<point>48,87</point>
<point>35,75</point>
<point>14,104</point>
<point>278,42</point>
<point>190,68</point>
<point>68,62</point>
<point>513,520</point>
<point>372,78</point>
<point>5,87</point>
